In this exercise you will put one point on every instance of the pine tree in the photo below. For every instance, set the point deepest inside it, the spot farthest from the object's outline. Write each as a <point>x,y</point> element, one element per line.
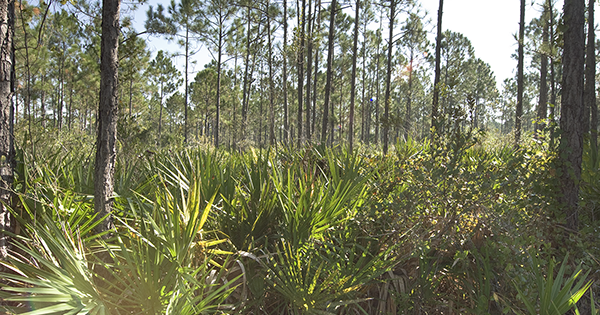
<point>571,118</point>
<point>107,115</point>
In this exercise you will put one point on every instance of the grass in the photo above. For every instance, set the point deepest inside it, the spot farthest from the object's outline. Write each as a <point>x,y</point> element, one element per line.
<point>448,228</point>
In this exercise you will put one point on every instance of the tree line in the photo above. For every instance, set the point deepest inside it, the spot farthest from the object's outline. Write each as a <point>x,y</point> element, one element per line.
<point>284,72</point>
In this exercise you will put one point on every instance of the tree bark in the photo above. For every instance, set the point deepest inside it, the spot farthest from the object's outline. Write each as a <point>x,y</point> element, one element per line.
<point>316,72</point>
<point>388,80</point>
<point>309,50</point>
<point>542,109</point>
<point>300,65</point>
<point>353,79</point>
<point>7,152</point>
<point>329,72</point>
<point>409,96</point>
<point>571,120</point>
<point>271,84</point>
<point>187,90</point>
<point>436,82</point>
<point>590,78</point>
<point>286,120</point>
<point>246,89</point>
<point>219,70</point>
<point>520,86</point>
<point>107,115</point>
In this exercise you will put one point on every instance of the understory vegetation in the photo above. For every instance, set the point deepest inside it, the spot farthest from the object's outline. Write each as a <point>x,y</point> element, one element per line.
<point>466,226</point>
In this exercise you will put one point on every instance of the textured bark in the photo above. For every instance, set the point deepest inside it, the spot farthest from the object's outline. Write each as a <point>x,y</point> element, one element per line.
<point>542,109</point>
<point>571,120</point>
<point>329,72</point>
<point>107,115</point>
<point>388,79</point>
<point>520,85</point>
<point>353,82</point>
<point>589,92</point>
<point>7,152</point>
<point>436,82</point>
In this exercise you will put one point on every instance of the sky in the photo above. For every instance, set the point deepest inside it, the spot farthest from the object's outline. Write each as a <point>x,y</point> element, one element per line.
<point>490,25</point>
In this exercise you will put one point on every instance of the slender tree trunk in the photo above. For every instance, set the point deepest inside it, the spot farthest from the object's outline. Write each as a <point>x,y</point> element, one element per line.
<point>69,108</point>
<point>590,77</point>
<point>316,79</point>
<point>409,96</point>
<point>61,93</point>
<point>271,84</point>
<point>286,118</point>
<point>329,72</point>
<point>7,151</point>
<point>520,85</point>
<point>300,65</point>
<point>246,90</point>
<point>436,82</point>
<point>363,103</point>
<point>219,65</point>
<point>377,115</point>
<point>185,100</point>
<point>543,101</point>
<point>571,118</point>
<point>551,119</point>
<point>160,114</point>
<point>27,98</point>
<point>353,79</point>
<point>107,115</point>
<point>388,80</point>
<point>130,96</point>
<point>309,49</point>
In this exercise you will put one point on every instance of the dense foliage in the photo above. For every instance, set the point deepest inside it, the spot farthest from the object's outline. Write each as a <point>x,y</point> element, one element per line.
<point>468,226</point>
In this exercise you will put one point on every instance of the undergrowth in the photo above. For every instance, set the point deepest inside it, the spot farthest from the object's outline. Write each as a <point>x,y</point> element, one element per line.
<point>454,227</point>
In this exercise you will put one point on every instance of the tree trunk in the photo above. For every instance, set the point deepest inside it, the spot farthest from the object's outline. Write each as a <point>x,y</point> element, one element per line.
<point>329,72</point>
<point>364,107</point>
<point>271,84</point>
<point>185,100</point>
<point>590,77</point>
<point>436,82</point>
<point>107,115</point>
<point>353,79</point>
<point>409,96</point>
<point>378,71</point>
<point>543,101</point>
<point>7,152</point>
<point>286,119</point>
<point>300,65</point>
<point>316,67</point>
<point>309,49</point>
<point>388,80</point>
<point>219,65</point>
<point>571,119</point>
<point>551,119</point>
<point>160,114</point>
<point>520,86</point>
<point>246,89</point>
